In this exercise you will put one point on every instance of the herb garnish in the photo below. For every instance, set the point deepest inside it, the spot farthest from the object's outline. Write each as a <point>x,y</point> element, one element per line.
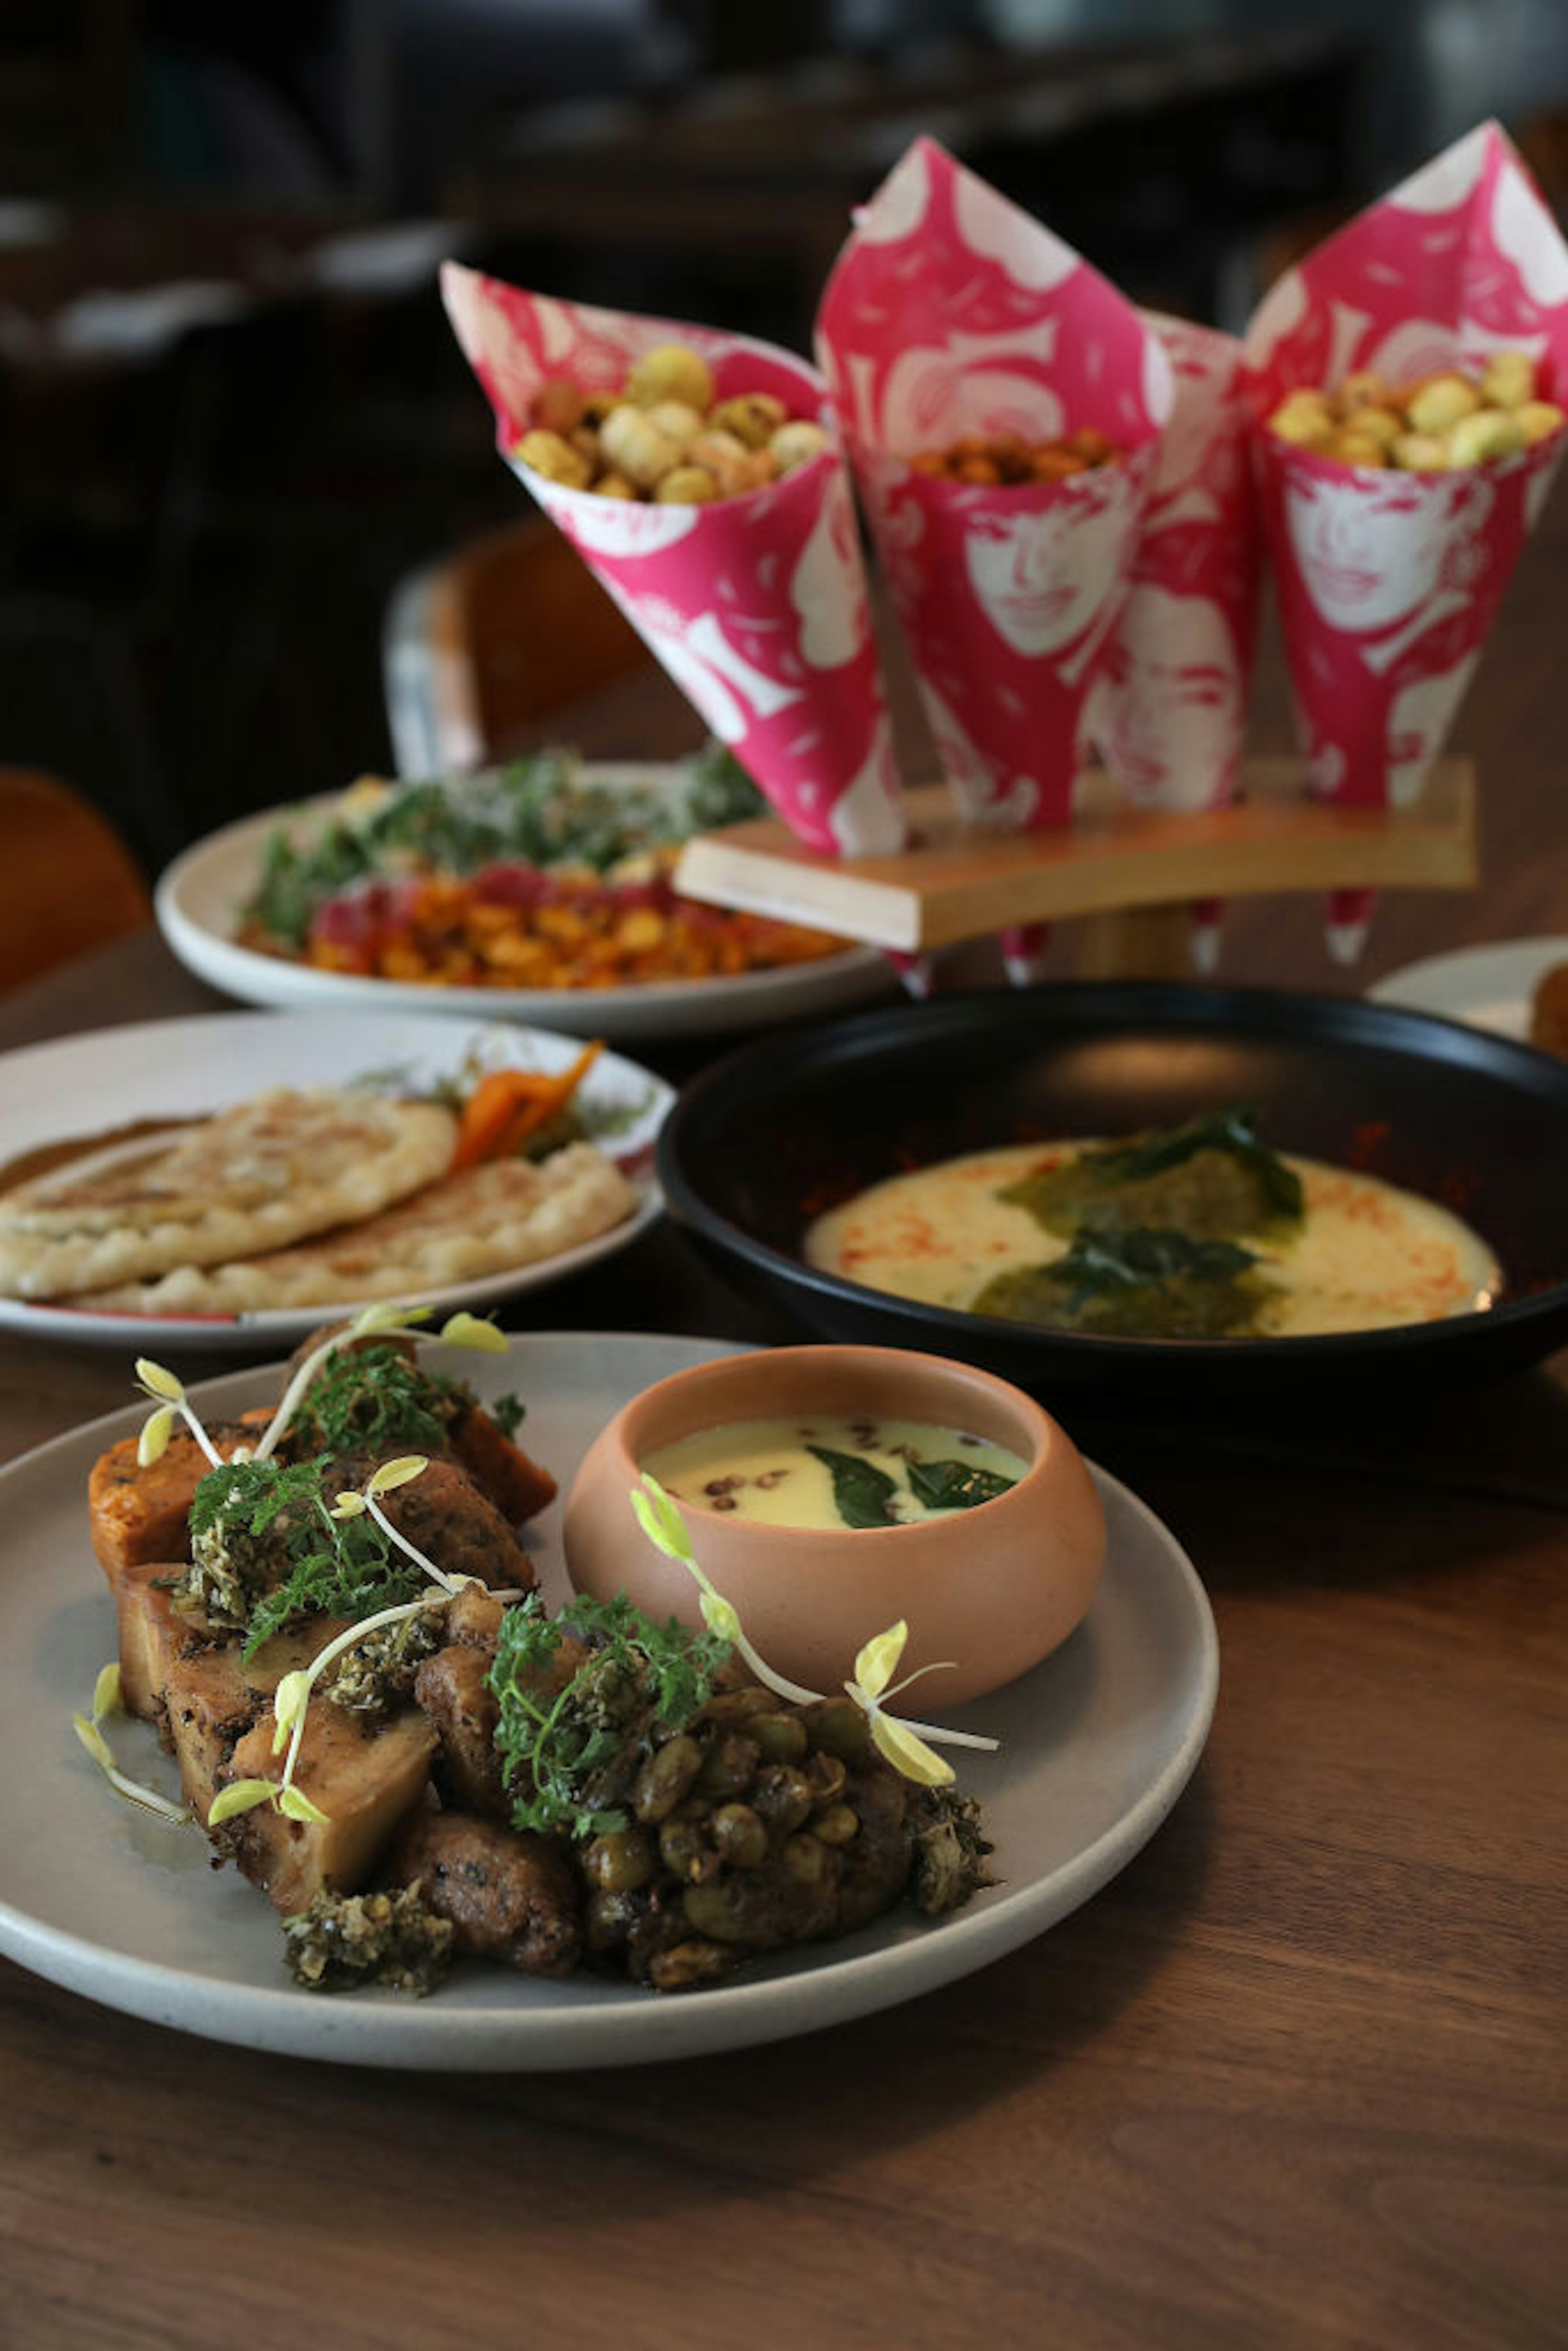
<point>1209,1177</point>
<point>334,1567</point>
<point>956,1485</point>
<point>1234,1130</point>
<point>507,1413</point>
<point>544,809</point>
<point>1099,1263</point>
<point>373,1396</point>
<point>570,1758</point>
<point>862,1492</point>
<point>900,1742</point>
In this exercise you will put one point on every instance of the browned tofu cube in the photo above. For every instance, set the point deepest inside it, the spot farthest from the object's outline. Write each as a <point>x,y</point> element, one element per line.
<point>213,1699</point>
<point>364,1772</point>
<point>152,1633</point>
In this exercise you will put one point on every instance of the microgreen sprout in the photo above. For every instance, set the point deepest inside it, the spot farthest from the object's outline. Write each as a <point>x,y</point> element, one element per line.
<point>106,1702</point>
<point>392,1474</point>
<point>380,1322</point>
<point>168,1394</point>
<point>900,1742</point>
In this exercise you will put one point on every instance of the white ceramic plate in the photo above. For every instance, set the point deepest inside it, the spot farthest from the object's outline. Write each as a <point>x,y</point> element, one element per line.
<point>1097,1744</point>
<point>1488,986</point>
<point>165,1069</point>
<point>197,898</point>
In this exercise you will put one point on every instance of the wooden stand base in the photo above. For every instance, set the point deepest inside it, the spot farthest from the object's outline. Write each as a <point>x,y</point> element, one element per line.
<point>954,881</point>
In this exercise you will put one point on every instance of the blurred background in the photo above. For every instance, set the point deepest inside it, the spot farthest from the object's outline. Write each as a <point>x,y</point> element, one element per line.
<point>232,419</point>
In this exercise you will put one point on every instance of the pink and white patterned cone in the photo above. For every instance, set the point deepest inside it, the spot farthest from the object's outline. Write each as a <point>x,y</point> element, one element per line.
<point>951,312</point>
<point>756,604</point>
<point>1389,581</point>
<point>1170,711</point>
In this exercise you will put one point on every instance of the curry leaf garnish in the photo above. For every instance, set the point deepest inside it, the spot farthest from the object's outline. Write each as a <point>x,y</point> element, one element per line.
<point>1101,1262</point>
<point>862,1492</point>
<point>571,1754</point>
<point>956,1485</point>
<point>1234,1130</point>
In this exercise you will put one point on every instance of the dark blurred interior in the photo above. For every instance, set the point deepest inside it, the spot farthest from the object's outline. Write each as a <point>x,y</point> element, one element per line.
<point>234,418</point>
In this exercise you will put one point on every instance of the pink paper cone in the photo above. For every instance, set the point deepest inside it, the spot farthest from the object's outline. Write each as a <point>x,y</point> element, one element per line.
<point>951,312</point>
<point>1389,581</point>
<point>1169,715</point>
<point>756,605</point>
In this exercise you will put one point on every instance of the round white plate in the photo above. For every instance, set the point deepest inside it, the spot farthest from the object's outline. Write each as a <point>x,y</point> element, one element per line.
<point>168,1069</point>
<point>1488,986</point>
<point>198,896</point>
<point>1097,1744</point>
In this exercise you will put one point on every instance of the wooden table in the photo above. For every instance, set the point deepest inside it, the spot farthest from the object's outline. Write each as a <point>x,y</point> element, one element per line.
<point>1297,2077</point>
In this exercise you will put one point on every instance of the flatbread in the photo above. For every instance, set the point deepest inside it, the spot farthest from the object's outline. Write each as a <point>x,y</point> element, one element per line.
<point>485,1221</point>
<point>273,1170</point>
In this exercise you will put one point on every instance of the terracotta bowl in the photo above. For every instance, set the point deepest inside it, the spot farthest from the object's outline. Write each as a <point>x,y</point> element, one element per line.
<point>993,1589</point>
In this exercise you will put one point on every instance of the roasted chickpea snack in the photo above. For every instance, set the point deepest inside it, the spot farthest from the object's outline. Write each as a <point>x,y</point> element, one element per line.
<point>1009,459</point>
<point>665,437</point>
<point>1440,424</point>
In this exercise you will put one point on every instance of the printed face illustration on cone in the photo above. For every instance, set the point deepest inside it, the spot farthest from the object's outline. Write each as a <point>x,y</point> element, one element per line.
<point>1169,720</point>
<point>1042,578</point>
<point>1372,551</point>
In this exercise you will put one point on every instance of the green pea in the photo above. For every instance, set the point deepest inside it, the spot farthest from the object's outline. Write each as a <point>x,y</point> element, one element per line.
<point>780,1737</point>
<point>665,1778</point>
<point>740,1838</point>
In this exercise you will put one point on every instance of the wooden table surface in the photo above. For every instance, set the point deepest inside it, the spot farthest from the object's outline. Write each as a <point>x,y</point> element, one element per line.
<point>1297,2076</point>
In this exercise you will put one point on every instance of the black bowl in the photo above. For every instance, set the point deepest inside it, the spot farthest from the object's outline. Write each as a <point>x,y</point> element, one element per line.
<point>772,1134</point>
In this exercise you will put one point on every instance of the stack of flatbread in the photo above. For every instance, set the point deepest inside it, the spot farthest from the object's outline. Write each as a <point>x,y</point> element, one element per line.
<point>296,1198</point>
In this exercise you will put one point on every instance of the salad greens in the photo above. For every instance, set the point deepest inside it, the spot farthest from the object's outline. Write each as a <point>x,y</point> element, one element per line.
<point>546,811</point>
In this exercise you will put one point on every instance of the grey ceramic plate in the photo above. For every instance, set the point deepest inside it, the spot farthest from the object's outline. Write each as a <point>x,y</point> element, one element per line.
<point>1097,1744</point>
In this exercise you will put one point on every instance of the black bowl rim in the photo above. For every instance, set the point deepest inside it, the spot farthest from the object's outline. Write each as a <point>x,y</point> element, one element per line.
<point>1173,1004</point>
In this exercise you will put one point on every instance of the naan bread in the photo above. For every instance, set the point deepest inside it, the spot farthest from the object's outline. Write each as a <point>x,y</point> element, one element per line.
<point>485,1221</point>
<point>272,1170</point>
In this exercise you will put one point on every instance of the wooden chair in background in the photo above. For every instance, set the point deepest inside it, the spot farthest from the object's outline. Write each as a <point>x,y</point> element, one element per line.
<point>67,882</point>
<point>482,646</point>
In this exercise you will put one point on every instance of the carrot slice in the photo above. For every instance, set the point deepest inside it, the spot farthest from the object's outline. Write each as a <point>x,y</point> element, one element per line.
<point>509,1105</point>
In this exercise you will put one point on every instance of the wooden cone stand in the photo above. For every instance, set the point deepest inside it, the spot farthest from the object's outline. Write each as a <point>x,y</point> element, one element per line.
<point>1130,875</point>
